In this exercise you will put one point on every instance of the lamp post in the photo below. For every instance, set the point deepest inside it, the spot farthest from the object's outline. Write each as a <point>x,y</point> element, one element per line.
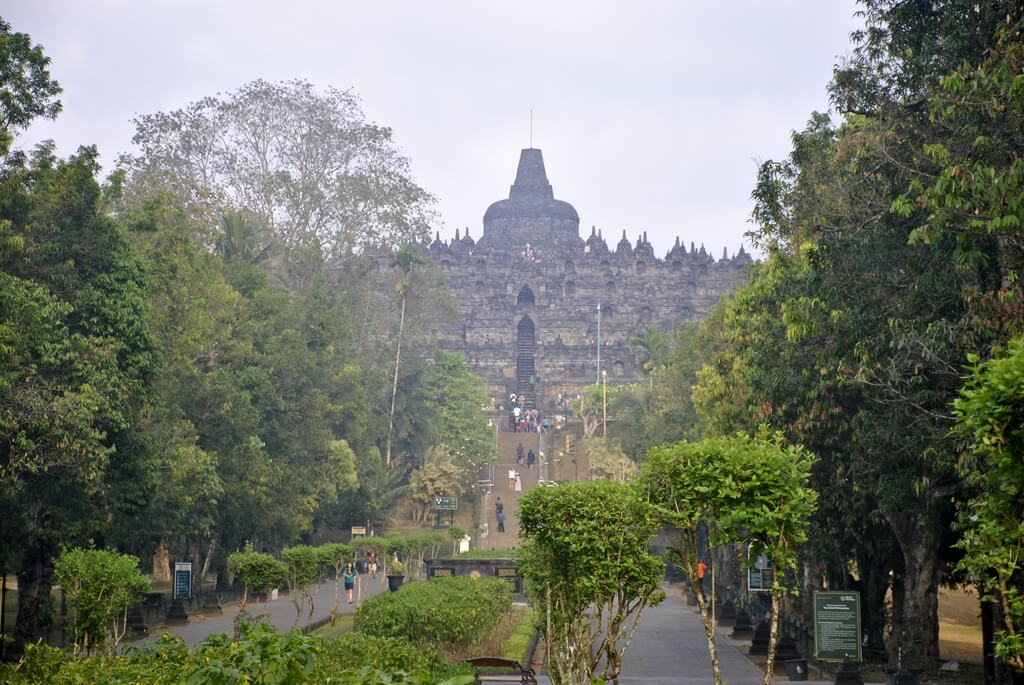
<point>604,403</point>
<point>598,343</point>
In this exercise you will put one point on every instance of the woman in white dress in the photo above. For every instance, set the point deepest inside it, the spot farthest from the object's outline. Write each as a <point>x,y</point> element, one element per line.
<point>519,483</point>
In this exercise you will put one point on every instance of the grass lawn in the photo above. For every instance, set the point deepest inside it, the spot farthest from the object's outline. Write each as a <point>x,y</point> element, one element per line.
<point>515,644</point>
<point>341,626</point>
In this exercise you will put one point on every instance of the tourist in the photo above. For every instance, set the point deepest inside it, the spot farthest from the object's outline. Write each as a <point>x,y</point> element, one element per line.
<point>519,454</point>
<point>371,559</point>
<point>501,521</point>
<point>511,478</point>
<point>518,487</point>
<point>531,459</point>
<point>349,575</point>
<point>516,411</point>
<point>499,506</point>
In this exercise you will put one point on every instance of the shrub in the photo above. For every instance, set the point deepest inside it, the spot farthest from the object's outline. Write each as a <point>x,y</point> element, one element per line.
<point>259,572</point>
<point>390,655</point>
<point>396,568</point>
<point>257,655</point>
<point>444,611</point>
<point>100,586</point>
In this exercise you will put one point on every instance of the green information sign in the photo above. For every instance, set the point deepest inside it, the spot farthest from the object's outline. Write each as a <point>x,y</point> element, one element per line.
<point>446,503</point>
<point>837,626</point>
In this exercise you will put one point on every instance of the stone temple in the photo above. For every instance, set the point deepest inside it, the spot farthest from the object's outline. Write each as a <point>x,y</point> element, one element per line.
<point>538,302</point>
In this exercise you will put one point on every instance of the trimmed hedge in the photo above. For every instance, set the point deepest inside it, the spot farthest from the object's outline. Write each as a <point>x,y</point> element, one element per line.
<point>442,611</point>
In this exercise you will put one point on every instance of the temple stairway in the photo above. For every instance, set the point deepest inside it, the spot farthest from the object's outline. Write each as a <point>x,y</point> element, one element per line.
<point>507,443</point>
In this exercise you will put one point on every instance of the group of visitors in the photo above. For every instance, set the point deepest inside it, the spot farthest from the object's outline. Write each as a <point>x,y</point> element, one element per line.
<point>515,481</point>
<point>524,420</point>
<point>525,456</point>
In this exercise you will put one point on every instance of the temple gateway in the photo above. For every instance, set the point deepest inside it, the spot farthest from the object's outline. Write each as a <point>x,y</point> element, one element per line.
<point>544,311</point>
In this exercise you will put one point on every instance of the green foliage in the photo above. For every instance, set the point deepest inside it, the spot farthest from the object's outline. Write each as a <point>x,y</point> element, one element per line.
<point>256,655</point>
<point>334,554</point>
<point>749,491</point>
<point>457,611</point>
<point>100,586</point>
<point>259,572</point>
<point>607,461</point>
<point>392,656</point>
<point>396,568</point>
<point>584,557</point>
<point>365,196</point>
<point>990,415</point>
<point>26,89</point>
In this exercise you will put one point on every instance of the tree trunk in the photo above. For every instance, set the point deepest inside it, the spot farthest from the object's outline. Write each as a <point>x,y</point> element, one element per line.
<point>35,578</point>
<point>773,637</point>
<point>916,633</point>
<point>206,561</point>
<point>161,564</point>
<point>394,386</point>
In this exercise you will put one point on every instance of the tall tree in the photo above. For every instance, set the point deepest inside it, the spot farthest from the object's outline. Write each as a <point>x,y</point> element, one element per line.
<point>304,162</point>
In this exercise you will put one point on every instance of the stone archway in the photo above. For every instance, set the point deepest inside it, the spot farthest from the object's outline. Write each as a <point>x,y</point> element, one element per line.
<point>526,298</point>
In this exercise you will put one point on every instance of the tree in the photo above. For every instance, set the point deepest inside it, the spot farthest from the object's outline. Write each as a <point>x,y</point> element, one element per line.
<point>27,90</point>
<point>76,362</point>
<point>654,348</point>
<point>302,568</point>
<point>990,416</point>
<point>607,461</point>
<point>100,586</point>
<point>748,491</point>
<point>259,572</point>
<point>439,476</point>
<point>584,554</point>
<point>335,555</point>
<point>305,163</point>
<point>405,260</point>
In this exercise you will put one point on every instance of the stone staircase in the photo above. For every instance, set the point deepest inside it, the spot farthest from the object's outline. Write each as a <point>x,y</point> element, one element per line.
<point>507,443</point>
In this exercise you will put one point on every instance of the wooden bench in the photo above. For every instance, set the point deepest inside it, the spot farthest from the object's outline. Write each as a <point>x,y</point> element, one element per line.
<point>524,676</point>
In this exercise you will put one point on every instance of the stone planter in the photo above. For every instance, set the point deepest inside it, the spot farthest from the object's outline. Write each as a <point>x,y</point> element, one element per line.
<point>395,582</point>
<point>796,669</point>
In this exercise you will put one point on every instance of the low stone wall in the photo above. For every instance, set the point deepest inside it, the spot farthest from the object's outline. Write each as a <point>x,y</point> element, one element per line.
<point>506,569</point>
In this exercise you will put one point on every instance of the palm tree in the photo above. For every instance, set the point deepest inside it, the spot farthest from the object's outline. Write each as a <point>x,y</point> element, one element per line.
<point>381,487</point>
<point>240,239</point>
<point>406,260</point>
<point>654,346</point>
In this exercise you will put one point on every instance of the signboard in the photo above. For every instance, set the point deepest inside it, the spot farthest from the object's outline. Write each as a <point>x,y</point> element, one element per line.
<point>837,626</point>
<point>440,572</point>
<point>761,576</point>
<point>358,531</point>
<point>182,580</point>
<point>446,503</point>
<point>505,572</point>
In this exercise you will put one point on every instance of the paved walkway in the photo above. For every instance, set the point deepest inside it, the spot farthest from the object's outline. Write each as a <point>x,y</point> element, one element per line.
<point>670,647</point>
<point>280,611</point>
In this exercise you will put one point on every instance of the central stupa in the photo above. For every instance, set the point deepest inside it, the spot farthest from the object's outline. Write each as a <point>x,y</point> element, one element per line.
<point>531,214</point>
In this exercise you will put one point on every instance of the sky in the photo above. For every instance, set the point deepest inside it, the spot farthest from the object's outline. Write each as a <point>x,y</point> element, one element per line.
<point>652,115</point>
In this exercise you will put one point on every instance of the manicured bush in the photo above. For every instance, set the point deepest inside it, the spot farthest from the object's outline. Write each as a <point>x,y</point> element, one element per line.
<point>100,586</point>
<point>444,611</point>
<point>390,655</point>
<point>259,572</point>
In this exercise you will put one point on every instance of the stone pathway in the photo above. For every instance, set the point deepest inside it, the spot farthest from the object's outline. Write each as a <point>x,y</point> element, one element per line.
<point>280,611</point>
<point>670,648</point>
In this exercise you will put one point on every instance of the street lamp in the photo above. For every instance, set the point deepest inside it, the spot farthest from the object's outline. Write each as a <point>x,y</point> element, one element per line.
<point>604,403</point>
<point>599,339</point>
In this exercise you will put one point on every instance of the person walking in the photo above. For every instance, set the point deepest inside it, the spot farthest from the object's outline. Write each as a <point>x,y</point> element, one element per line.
<point>501,521</point>
<point>349,576</point>
<point>519,454</point>
<point>511,478</point>
<point>518,486</point>
<point>531,459</point>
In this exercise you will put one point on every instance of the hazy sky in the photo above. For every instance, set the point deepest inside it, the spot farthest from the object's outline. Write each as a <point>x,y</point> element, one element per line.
<point>651,115</point>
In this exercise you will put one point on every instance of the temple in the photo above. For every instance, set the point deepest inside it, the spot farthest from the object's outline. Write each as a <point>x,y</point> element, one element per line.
<point>541,308</point>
